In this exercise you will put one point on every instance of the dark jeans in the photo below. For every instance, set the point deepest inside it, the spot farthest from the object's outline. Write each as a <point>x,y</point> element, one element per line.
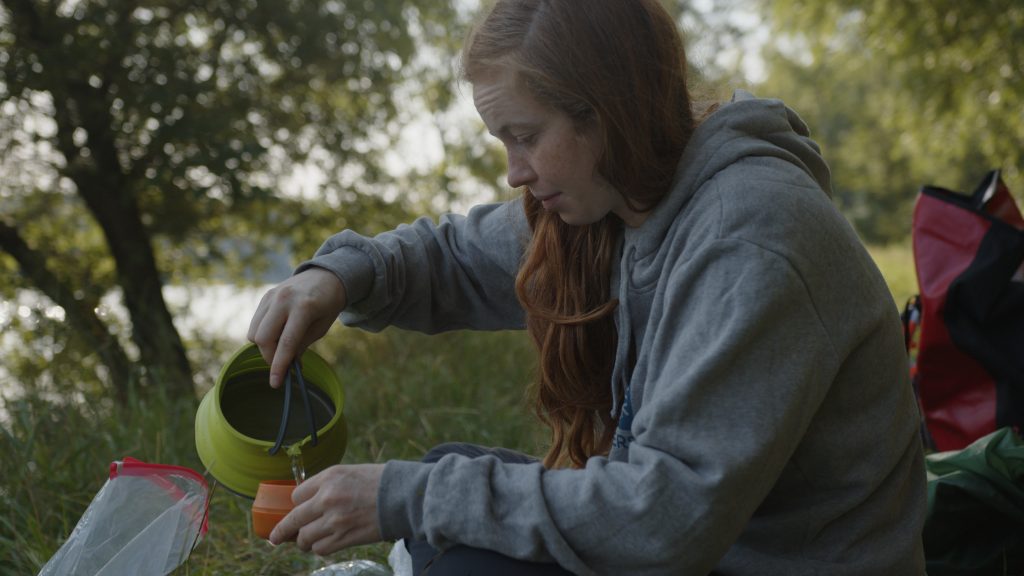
<point>463,560</point>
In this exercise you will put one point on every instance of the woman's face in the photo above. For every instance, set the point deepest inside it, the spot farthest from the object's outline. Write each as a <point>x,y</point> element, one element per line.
<point>547,154</point>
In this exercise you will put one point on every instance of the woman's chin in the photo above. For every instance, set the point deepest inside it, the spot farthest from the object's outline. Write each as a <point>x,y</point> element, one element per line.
<point>574,219</point>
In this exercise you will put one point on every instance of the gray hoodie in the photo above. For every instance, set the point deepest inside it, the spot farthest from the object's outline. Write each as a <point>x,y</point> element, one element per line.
<point>767,425</point>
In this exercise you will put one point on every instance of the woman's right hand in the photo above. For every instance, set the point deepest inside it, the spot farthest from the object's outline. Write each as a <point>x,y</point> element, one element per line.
<point>293,315</point>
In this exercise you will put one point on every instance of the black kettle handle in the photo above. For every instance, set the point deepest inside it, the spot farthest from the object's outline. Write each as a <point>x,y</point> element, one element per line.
<point>304,392</point>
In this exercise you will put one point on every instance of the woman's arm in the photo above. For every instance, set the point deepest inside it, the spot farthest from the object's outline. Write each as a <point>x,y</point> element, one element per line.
<point>426,276</point>
<point>432,277</point>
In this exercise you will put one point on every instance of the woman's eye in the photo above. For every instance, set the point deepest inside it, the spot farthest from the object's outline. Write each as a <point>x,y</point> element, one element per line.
<point>525,139</point>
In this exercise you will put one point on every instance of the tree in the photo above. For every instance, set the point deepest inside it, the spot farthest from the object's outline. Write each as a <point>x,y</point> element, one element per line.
<point>903,93</point>
<point>175,126</point>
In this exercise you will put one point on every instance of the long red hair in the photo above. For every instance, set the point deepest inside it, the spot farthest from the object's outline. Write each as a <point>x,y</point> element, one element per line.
<point>619,64</point>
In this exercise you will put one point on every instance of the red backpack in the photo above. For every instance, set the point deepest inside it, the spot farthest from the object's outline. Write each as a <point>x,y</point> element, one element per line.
<point>965,330</point>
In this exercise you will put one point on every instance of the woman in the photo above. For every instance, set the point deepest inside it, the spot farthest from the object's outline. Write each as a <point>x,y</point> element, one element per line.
<point>720,363</point>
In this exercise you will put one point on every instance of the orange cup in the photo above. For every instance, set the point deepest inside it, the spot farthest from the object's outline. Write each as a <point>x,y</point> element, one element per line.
<point>273,501</point>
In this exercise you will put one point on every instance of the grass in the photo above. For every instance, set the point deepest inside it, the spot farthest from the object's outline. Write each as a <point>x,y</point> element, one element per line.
<point>404,393</point>
<point>896,261</point>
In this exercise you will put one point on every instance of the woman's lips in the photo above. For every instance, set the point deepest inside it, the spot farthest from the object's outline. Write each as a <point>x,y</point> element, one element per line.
<point>550,200</point>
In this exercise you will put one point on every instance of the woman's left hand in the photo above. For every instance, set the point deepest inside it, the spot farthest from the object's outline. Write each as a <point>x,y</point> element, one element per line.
<point>334,509</point>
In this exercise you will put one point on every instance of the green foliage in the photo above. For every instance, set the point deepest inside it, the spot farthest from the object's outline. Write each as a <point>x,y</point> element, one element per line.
<point>896,261</point>
<point>207,106</point>
<point>405,392</point>
<point>903,94</point>
<point>151,143</point>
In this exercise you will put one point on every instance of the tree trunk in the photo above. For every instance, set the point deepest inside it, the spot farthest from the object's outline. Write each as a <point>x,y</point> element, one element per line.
<point>108,193</point>
<point>110,199</point>
<point>161,350</point>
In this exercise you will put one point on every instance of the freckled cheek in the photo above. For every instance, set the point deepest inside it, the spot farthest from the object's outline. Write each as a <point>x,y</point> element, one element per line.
<point>554,163</point>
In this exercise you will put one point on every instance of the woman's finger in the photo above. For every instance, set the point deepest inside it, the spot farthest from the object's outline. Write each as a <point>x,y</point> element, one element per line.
<point>269,335</point>
<point>320,530</point>
<point>287,350</point>
<point>257,317</point>
<point>289,526</point>
<point>330,543</point>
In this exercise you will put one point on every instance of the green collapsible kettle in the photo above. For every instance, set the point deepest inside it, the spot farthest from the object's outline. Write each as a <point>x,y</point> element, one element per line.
<point>248,432</point>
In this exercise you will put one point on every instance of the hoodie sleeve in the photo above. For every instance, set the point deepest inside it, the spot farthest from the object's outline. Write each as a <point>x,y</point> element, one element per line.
<point>735,372</point>
<point>456,273</point>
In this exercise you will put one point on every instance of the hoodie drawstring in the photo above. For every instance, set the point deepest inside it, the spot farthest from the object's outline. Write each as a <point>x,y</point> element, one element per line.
<point>620,369</point>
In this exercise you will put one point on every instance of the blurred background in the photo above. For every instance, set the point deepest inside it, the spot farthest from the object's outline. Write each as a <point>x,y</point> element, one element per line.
<point>163,163</point>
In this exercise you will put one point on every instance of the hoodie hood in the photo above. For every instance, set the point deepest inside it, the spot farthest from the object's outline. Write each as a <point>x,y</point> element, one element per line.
<point>745,126</point>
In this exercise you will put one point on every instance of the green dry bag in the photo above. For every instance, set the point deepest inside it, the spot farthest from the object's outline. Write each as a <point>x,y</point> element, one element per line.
<point>975,522</point>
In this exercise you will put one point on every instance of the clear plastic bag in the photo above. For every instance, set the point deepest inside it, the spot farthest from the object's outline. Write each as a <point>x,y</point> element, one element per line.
<point>145,520</point>
<point>400,560</point>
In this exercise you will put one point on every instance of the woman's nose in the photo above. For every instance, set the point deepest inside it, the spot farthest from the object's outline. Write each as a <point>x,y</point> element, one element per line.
<point>520,173</point>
